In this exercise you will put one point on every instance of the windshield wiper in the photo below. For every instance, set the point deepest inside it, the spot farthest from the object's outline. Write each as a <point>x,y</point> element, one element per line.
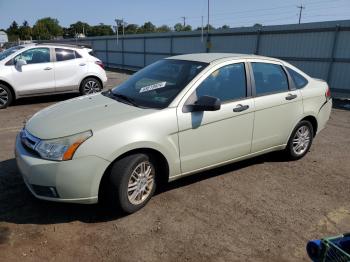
<point>125,98</point>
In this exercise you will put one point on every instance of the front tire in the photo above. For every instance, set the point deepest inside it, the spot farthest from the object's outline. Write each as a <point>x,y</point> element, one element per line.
<point>133,181</point>
<point>5,96</point>
<point>89,86</point>
<point>300,140</point>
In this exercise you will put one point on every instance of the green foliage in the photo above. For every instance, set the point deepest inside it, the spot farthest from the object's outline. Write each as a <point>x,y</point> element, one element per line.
<point>205,27</point>
<point>25,31</point>
<point>77,28</point>
<point>131,29</point>
<point>100,30</point>
<point>163,29</point>
<point>147,27</point>
<point>180,27</point>
<point>47,28</point>
<point>225,27</point>
<point>13,32</point>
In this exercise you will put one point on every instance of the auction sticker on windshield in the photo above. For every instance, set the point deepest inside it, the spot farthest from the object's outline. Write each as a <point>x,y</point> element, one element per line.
<point>152,87</point>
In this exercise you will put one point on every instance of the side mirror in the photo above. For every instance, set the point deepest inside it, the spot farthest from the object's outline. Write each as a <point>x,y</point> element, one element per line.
<point>20,63</point>
<point>205,103</point>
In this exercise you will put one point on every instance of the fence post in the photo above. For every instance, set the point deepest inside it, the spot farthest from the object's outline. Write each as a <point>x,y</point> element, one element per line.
<point>171,45</point>
<point>123,53</point>
<point>144,51</point>
<point>334,45</point>
<point>106,52</point>
<point>257,44</point>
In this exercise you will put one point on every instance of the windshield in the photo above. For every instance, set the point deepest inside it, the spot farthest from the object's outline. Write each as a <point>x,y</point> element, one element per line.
<point>158,84</point>
<point>9,51</point>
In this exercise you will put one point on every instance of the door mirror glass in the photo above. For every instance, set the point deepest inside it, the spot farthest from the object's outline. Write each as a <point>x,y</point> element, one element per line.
<point>20,63</point>
<point>205,103</point>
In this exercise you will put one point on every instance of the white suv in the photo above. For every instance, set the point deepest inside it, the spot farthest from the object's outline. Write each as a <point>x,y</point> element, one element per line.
<point>41,69</point>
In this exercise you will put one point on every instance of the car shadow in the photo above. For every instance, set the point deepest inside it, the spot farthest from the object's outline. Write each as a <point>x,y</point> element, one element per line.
<point>18,206</point>
<point>44,99</point>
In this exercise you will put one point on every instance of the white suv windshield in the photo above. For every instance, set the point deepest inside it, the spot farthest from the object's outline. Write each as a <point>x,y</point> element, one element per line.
<point>157,85</point>
<point>9,51</point>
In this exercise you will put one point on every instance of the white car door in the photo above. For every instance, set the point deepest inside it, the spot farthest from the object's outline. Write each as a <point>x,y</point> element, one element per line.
<point>37,75</point>
<point>278,106</point>
<point>70,68</point>
<point>212,137</point>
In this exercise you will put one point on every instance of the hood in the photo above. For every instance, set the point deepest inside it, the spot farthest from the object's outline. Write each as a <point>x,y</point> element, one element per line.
<point>80,114</point>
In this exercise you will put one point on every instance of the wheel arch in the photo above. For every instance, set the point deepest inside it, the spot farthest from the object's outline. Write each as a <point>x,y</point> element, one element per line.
<point>162,164</point>
<point>313,121</point>
<point>90,76</point>
<point>10,87</point>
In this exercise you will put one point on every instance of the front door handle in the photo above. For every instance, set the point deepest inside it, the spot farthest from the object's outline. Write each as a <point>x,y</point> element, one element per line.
<point>82,64</point>
<point>47,68</point>
<point>240,108</point>
<point>291,96</point>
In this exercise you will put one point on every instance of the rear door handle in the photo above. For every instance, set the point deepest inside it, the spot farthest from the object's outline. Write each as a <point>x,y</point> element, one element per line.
<point>82,64</point>
<point>240,108</point>
<point>47,68</point>
<point>291,97</point>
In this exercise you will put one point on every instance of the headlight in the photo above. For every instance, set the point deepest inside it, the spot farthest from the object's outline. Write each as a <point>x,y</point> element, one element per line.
<point>61,148</point>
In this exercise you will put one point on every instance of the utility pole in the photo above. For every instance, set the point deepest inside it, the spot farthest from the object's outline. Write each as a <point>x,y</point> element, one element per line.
<point>117,29</point>
<point>202,30</point>
<point>301,7</point>
<point>123,24</point>
<point>208,20</point>
<point>184,18</point>
<point>208,28</point>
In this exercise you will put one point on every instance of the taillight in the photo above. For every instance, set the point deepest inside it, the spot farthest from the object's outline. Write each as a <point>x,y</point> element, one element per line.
<point>100,64</point>
<point>328,93</point>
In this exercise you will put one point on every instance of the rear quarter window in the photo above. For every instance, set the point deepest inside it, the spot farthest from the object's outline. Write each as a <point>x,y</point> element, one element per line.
<point>298,79</point>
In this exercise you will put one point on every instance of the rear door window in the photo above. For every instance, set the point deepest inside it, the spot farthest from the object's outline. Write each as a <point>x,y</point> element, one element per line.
<point>269,78</point>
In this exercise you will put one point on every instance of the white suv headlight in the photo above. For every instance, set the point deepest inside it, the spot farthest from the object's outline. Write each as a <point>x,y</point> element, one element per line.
<point>61,148</point>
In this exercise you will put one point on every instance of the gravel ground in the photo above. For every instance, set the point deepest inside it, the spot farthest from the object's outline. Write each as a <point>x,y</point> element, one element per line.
<point>263,209</point>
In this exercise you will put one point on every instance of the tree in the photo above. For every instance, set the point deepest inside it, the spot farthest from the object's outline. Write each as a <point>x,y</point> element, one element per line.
<point>78,28</point>
<point>13,32</point>
<point>180,27</point>
<point>100,30</point>
<point>206,27</point>
<point>25,31</point>
<point>131,29</point>
<point>163,29</point>
<point>225,27</point>
<point>47,28</point>
<point>147,27</point>
<point>257,25</point>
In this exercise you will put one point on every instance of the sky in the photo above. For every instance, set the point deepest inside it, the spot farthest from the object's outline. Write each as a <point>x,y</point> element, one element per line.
<point>235,13</point>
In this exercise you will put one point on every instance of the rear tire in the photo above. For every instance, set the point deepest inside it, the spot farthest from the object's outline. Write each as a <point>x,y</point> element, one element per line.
<point>5,96</point>
<point>89,86</point>
<point>300,140</point>
<point>133,181</point>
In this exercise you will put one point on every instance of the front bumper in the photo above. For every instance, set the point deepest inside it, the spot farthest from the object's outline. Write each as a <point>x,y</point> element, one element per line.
<point>75,181</point>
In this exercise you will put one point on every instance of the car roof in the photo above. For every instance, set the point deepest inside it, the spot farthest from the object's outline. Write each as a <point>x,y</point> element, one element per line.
<point>211,57</point>
<point>77,46</point>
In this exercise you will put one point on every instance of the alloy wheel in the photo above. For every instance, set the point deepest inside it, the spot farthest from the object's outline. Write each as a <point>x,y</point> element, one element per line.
<point>91,87</point>
<point>301,140</point>
<point>4,96</point>
<point>141,183</point>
